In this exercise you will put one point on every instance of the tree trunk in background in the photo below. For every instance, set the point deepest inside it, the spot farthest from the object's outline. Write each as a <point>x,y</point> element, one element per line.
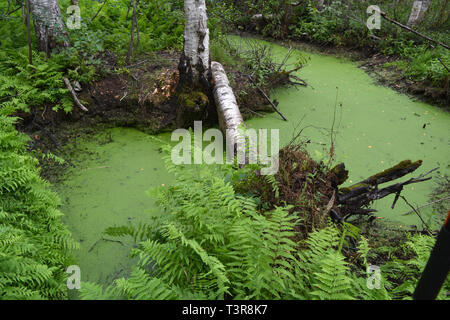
<point>319,4</point>
<point>195,72</point>
<point>287,18</point>
<point>48,25</point>
<point>418,11</point>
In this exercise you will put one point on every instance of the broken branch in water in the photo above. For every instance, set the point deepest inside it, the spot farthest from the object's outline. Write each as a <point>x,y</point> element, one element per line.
<point>74,95</point>
<point>367,185</point>
<point>103,239</point>
<point>266,97</point>
<point>366,191</point>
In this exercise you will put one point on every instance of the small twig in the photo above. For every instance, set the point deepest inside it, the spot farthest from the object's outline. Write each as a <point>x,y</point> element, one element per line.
<point>95,16</point>
<point>74,95</point>
<point>17,9</point>
<point>288,54</point>
<point>440,60</point>
<point>418,214</point>
<point>110,240</point>
<point>426,205</point>
<point>254,112</point>
<point>267,98</point>
<point>124,96</point>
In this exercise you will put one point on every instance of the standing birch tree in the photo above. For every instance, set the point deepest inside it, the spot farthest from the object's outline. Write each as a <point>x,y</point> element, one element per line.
<point>48,25</point>
<point>418,11</point>
<point>194,90</point>
<point>201,86</point>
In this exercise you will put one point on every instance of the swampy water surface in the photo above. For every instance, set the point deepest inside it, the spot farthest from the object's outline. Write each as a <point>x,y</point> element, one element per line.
<point>376,128</point>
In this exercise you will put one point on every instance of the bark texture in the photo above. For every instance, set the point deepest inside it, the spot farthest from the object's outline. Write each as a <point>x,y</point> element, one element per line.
<point>48,25</point>
<point>194,98</point>
<point>418,11</point>
<point>194,63</point>
<point>230,117</point>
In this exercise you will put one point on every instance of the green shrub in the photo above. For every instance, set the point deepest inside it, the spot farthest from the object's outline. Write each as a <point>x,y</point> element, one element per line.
<point>33,240</point>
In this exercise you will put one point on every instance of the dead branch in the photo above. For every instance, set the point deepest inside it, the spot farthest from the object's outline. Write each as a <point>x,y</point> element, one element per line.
<point>366,193</point>
<point>266,97</point>
<point>385,16</point>
<point>288,54</point>
<point>426,205</point>
<point>74,95</point>
<point>95,16</point>
<point>427,228</point>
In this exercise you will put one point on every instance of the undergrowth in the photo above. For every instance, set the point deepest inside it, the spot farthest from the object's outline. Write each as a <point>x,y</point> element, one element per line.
<point>210,242</point>
<point>34,243</point>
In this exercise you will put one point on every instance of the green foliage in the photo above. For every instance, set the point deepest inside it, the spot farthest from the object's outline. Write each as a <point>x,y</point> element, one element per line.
<point>407,272</point>
<point>209,242</point>
<point>33,240</point>
<point>23,85</point>
<point>343,24</point>
<point>160,23</point>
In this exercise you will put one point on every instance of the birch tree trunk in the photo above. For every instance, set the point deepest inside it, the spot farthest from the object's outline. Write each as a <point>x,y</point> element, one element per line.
<point>418,11</point>
<point>194,90</point>
<point>202,82</point>
<point>194,63</point>
<point>320,4</point>
<point>48,25</point>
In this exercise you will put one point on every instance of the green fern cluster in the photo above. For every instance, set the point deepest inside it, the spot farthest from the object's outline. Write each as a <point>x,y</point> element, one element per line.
<point>33,241</point>
<point>407,272</point>
<point>208,242</point>
<point>23,85</point>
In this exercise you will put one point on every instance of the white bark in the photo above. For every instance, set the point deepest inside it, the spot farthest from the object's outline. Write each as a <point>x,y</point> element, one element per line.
<point>48,25</point>
<point>195,60</point>
<point>320,4</point>
<point>230,117</point>
<point>418,12</point>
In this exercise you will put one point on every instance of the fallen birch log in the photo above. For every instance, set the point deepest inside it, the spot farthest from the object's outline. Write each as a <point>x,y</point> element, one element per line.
<point>230,118</point>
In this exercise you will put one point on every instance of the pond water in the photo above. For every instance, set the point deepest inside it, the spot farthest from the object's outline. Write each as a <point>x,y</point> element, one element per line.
<point>376,128</point>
